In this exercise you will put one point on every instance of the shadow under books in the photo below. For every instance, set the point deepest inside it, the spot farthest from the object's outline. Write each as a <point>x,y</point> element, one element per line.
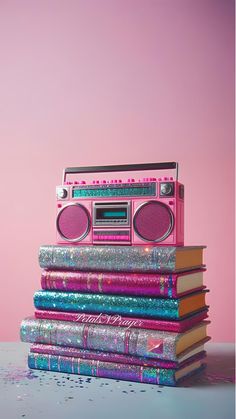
<point>220,371</point>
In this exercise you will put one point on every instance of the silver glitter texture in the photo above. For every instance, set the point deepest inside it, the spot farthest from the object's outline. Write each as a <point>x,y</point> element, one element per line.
<point>138,342</point>
<point>109,258</point>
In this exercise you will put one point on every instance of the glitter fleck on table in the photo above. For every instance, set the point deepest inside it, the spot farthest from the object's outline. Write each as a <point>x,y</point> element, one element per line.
<point>35,394</point>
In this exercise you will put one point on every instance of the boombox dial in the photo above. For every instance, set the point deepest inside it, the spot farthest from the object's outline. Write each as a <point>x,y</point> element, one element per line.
<point>131,212</point>
<point>167,189</point>
<point>62,193</point>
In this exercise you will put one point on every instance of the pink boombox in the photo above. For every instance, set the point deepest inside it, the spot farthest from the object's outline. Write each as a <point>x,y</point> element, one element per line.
<point>116,211</point>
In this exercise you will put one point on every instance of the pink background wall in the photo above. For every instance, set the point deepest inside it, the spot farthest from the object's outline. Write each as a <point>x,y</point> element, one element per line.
<point>111,82</point>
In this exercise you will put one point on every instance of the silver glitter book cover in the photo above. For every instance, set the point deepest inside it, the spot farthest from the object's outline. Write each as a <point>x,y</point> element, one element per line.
<point>137,342</point>
<point>115,258</point>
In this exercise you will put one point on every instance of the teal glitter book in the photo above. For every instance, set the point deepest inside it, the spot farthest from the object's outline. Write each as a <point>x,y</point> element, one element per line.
<point>118,371</point>
<point>156,308</point>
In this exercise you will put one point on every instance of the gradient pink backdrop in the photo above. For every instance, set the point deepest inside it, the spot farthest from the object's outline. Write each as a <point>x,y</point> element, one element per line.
<point>111,82</point>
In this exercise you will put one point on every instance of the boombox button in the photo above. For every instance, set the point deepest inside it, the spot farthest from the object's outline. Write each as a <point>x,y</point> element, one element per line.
<point>148,179</point>
<point>171,202</point>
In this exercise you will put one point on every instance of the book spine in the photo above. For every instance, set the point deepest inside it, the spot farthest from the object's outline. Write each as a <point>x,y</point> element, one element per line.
<point>111,283</point>
<point>128,341</point>
<point>109,258</point>
<point>159,308</point>
<point>120,321</point>
<point>103,369</point>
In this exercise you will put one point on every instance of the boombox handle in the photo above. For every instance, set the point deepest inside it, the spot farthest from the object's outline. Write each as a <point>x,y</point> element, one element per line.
<point>121,168</point>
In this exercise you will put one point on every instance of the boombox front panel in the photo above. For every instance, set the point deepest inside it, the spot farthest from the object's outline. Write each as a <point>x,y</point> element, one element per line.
<point>121,220</point>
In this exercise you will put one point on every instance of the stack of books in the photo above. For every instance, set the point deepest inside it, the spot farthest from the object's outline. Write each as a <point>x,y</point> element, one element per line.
<point>134,313</point>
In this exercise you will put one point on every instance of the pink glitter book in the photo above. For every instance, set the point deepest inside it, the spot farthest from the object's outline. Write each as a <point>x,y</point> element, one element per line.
<point>118,320</point>
<point>196,352</point>
<point>126,283</point>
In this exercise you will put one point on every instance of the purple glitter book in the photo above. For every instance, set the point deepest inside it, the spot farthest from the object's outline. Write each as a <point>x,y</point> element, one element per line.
<point>125,283</point>
<point>194,354</point>
<point>136,342</point>
<point>118,320</point>
<point>156,308</point>
<point>118,371</point>
<point>122,258</point>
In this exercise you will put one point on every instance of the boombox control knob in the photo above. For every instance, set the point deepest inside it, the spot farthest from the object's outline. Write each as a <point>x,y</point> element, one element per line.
<point>62,193</point>
<point>167,189</point>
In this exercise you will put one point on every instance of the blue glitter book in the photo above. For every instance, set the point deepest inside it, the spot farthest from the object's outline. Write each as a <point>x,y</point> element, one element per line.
<point>118,371</point>
<point>122,258</point>
<point>156,308</point>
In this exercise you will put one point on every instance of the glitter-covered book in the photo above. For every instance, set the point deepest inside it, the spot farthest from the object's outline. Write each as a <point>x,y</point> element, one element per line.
<point>118,320</point>
<point>129,341</point>
<point>159,308</point>
<point>118,371</point>
<point>121,258</point>
<point>194,354</point>
<point>170,285</point>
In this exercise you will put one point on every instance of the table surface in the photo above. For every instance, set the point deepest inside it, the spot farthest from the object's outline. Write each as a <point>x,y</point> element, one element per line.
<point>37,394</point>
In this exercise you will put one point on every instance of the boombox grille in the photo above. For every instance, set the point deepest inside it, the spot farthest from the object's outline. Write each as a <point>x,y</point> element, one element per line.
<point>153,221</point>
<point>73,222</point>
